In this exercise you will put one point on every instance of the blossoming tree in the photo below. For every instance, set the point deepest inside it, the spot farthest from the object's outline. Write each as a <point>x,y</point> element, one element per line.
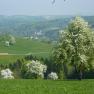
<point>7,74</point>
<point>35,67</point>
<point>53,76</point>
<point>75,47</point>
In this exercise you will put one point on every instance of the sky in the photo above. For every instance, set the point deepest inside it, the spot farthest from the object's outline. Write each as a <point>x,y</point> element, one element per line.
<point>45,7</point>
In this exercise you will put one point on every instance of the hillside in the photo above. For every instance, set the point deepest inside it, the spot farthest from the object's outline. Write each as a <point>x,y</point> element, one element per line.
<point>48,26</point>
<point>24,47</point>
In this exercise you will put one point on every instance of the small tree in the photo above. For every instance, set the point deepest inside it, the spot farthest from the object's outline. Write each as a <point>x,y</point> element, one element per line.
<point>7,74</point>
<point>75,47</point>
<point>35,69</point>
<point>53,76</point>
<point>12,40</point>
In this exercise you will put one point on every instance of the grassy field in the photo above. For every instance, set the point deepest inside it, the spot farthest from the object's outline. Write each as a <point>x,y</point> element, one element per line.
<point>6,59</point>
<point>46,87</point>
<point>22,48</point>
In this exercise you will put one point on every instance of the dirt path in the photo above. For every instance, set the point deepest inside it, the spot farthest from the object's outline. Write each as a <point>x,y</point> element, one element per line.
<point>23,54</point>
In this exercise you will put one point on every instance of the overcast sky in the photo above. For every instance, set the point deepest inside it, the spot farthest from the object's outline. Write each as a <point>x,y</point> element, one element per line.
<point>45,7</point>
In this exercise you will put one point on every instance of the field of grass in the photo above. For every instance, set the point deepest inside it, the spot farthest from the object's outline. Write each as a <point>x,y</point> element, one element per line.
<point>46,87</point>
<point>23,47</point>
<point>6,59</point>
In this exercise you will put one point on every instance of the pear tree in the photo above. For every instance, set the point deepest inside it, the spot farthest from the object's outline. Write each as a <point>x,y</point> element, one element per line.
<point>75,47</point>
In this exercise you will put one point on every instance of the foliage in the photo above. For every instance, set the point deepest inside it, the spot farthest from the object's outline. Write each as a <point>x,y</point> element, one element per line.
<point>34,69</point>
<point>12,40</point>
<point>7,74</point>
<point>53,76</point>
<point>75,47</point>
<point>8,38</point>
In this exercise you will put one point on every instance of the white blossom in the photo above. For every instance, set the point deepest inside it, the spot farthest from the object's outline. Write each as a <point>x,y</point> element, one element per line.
<point>7,74</point>
<point>37,68</point>
<point>53,76</point>
<point>79,23</point>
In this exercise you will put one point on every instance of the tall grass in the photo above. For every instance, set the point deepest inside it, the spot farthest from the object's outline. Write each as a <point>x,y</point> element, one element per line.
<point>46,87</point>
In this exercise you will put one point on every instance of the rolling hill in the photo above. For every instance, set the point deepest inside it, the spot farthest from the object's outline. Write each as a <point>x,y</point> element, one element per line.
<point>24,47</point>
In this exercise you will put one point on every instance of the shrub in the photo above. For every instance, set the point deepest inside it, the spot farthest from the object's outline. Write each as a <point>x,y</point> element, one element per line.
<point>12,40</point>
<point>53,76</point>
<point>36,69</point>
<point>7,74</point>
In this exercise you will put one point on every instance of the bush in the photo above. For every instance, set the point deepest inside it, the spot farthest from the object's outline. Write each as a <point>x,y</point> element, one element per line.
<point>34,69</point>
<point>7,74</point>
<point>53,76</point>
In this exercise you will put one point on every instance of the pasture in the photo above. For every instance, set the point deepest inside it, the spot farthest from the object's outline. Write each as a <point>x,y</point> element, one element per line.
<point>24,47</point>
<point>46,87</point>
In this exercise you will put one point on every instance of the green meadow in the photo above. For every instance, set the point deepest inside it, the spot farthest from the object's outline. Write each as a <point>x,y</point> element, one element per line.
<point>46,87</point>
<point>6,59</point>
<point>24,47</point>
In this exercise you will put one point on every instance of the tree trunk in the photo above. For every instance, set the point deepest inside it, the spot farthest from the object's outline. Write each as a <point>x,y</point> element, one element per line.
<point>80,75</point>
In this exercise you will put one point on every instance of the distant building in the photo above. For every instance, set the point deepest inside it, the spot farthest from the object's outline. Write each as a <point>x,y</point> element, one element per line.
<point>39,33</point>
